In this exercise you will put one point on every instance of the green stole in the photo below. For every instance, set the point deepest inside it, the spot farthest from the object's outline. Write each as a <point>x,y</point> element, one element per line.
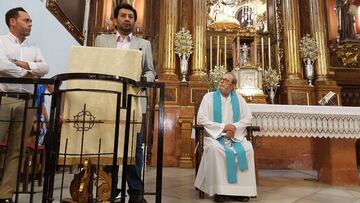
<point>240,151</point>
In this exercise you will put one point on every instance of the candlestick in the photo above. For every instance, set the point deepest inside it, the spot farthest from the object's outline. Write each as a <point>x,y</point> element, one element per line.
<point>269,50</point>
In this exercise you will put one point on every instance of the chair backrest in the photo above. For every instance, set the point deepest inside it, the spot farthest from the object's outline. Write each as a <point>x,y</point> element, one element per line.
<point>197,105</point>
<point>199,140</point>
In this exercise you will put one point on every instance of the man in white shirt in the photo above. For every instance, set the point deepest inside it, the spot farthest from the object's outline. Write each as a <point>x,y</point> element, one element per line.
<point>227,167</point>
<point>18,59</point>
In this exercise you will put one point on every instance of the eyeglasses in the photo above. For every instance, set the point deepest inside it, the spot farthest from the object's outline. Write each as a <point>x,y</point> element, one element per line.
<point>225,80</point>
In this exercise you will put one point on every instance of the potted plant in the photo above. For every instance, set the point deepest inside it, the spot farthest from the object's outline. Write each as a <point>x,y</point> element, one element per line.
<point>183,48</point>
<point>309,53</point>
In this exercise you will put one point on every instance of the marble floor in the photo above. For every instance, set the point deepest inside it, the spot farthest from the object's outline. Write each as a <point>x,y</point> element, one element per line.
<point>275,186</point>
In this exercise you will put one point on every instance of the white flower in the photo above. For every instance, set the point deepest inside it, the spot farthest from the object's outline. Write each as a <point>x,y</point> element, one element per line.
<point>183,43</point>
<point>271,78</point>
<point>308,48</point>
<point>215,76</point>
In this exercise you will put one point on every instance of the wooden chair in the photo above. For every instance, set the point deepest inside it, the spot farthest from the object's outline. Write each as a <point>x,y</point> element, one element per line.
<point>27,164</point>
<point>199,140</point>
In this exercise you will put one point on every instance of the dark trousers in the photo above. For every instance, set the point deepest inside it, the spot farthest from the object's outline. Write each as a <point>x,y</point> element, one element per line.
<point>133,172</point>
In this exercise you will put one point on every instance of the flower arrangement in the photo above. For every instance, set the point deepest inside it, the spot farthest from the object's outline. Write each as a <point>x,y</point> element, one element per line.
<point>183,43</point>
<point>271,78</point>
<point>215,76</point>
<point>308,48</point>
<point>261,18</point>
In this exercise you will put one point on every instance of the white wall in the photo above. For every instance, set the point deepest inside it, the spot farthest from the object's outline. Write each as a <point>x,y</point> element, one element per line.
<point>47,33</point>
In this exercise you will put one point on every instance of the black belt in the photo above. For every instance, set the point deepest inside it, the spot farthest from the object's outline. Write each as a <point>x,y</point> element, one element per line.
<point>18,96</point>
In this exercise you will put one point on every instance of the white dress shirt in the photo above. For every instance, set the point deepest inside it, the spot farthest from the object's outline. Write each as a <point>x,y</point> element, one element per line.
<point>11,49</point>
<point>123,42</point>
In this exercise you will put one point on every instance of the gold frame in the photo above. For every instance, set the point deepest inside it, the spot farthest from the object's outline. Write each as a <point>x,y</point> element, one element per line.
<point>55,9</point>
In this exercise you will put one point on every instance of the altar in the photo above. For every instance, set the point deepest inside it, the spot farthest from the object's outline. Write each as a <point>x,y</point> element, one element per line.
<point>334,129</point>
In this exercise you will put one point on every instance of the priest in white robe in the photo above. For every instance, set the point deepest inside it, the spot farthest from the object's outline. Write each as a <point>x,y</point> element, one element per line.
<point>227,167</point>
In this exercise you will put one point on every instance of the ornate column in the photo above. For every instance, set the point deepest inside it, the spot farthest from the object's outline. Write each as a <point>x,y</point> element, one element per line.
<point>294,89</point>
<point>318,28</point>
<point>199,32</point>
<point>291,39</point>
<point>168,26</point>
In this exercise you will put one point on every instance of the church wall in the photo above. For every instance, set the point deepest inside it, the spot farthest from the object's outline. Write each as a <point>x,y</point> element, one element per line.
<point>357,17</point>
<point>52,38</point>
<point>332,18</point>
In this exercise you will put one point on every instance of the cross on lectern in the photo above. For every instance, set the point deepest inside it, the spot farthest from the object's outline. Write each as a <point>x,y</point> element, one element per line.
<point>84,120</point>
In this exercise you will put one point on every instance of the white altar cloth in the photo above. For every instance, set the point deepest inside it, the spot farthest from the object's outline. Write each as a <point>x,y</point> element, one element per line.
<point>306,121</point>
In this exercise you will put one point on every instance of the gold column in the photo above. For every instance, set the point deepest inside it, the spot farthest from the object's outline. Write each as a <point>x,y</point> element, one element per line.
<point>168,25</point>
<point>324,84</point>
<point>318,29</point>
<point>291,40</point>
<point>198,57</point>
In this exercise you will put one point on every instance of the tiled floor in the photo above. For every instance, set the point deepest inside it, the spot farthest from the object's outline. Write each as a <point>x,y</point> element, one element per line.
<point>275,186</point>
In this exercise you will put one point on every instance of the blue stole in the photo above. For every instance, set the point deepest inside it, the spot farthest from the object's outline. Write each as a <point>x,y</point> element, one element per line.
<point>240,151</point>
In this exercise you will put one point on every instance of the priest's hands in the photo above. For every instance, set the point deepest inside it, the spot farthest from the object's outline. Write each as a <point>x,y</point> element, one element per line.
<point>229,129</point>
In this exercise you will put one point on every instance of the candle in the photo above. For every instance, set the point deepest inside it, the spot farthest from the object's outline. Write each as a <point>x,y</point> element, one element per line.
<point>234,53</point>
<point>225,51</point>
<point>217,50</point>
<point>269,50</point>
<point>262,54</point>
<point>307,99</point>
<point>238,51</point>
<point>211,52</point>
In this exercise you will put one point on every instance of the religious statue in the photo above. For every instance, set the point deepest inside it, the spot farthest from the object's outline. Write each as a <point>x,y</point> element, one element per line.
<point>244,54</point>
<point>220,12</point>
<point>345,13</point>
